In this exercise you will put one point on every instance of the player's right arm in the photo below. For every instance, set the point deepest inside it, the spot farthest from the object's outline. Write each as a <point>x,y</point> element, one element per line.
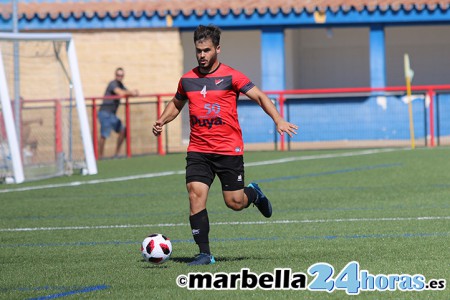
<point>171,111</point>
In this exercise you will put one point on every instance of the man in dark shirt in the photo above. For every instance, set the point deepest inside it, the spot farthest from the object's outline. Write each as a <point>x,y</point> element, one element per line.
<point>107,114</point>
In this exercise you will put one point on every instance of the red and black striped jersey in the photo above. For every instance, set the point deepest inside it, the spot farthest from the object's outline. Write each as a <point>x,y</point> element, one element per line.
<point>213,109</point>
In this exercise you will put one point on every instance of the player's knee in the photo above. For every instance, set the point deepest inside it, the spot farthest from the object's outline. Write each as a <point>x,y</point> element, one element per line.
<point>194,196</point>
<point>235,203</point>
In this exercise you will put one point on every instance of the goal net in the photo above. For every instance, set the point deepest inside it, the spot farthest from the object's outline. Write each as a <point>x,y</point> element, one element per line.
<point>44,129</point>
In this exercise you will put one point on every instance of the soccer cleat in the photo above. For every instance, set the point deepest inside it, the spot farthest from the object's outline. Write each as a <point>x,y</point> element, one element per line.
<point>202,259</point>
<point>261,202</point>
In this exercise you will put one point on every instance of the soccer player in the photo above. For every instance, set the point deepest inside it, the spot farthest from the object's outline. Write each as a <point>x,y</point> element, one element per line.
<point>216,145</point>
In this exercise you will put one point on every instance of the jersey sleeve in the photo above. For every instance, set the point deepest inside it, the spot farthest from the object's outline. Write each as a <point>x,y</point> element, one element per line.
<point>181,93</point>
<point>241,82</point>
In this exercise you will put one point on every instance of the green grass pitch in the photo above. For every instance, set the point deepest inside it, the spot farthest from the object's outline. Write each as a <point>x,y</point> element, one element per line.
<point>78,237</point>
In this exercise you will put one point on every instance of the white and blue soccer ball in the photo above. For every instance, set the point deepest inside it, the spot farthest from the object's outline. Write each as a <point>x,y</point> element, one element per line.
<point>156,248</point>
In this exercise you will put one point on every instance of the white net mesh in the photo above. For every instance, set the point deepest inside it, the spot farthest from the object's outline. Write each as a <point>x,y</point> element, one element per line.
<point>43,101</point>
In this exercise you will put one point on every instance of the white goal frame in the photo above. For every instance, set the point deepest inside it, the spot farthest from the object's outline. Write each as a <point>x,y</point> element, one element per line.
<point>16,158</point>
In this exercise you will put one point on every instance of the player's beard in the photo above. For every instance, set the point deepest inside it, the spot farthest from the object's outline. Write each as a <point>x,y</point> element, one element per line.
<point>207,67</point>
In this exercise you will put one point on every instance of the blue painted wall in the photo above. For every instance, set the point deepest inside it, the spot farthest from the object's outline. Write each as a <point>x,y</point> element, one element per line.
<point>352,119</point>
<point>256,125</point>
<point>442,112</point>
<point>377,56</point>
<point>273,58</point>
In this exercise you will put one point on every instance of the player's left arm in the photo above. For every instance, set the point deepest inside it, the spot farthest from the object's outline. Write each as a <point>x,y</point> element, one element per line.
<point>125,92</point>
<point>266,104</point>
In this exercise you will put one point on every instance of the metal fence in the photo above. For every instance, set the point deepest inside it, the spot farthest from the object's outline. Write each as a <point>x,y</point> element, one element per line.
<point>327,118</point>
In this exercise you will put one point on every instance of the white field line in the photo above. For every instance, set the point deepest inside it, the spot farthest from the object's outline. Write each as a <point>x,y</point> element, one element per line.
<point>275,222</point>
<point>181,172</point>
<point>95,181</point>
<point>320,156</point>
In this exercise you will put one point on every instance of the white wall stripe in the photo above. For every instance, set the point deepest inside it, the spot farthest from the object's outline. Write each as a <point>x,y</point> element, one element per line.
<point>274,222</point>
<point>181,172</point>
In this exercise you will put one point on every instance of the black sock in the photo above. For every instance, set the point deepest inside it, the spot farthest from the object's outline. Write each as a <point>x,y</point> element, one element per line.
<point>200,230</point>
<point>251,195</point>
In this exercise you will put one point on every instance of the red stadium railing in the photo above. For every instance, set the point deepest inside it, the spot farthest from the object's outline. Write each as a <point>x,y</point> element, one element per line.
<point>430,91</point>
<point>159,100</point>
<point>281,96</point>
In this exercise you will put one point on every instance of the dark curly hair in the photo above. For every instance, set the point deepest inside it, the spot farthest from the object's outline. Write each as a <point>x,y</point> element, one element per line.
<point>208,32</point>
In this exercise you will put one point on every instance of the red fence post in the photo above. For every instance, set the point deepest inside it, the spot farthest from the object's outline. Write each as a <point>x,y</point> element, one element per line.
<point>58,128</point>
<point>282,138</point>
<point>94,127</point>
<point>431,94</point>
<point>21,141</point>
<point>127,129</point>
<point>158,115</point>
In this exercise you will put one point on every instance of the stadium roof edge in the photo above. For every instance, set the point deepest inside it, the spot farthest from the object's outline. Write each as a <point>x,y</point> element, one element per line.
<point>106,14</point>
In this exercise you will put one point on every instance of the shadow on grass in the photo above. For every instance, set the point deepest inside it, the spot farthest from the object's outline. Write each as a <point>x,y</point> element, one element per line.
<point>148,265</point>
<point>218,259</point>
<point>185,260</point>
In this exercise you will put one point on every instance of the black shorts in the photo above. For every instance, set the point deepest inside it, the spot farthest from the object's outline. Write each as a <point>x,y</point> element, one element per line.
<point>203,167</point>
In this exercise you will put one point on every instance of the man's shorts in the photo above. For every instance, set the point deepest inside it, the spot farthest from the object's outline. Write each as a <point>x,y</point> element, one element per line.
<point>109,121</point>
<point>202,167</point>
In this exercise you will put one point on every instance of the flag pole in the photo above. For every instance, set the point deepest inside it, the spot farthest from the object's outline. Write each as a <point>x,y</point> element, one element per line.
<point>408,77</point>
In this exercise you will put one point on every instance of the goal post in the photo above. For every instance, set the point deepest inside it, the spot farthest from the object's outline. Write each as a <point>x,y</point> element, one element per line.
<point>9,129</point>
<point>81,108</point>
<point>50,54</point>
